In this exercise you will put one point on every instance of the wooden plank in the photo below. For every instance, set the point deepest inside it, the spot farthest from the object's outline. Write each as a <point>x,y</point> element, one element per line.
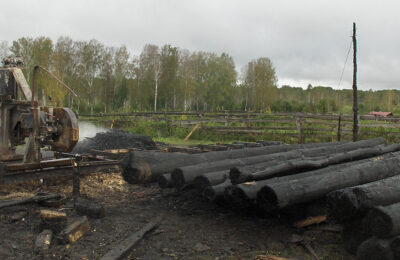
<point>74,231</point>
<point>310,221</point>
<point>123,248</point>
<point>191,132</point>
<point>40,165</point>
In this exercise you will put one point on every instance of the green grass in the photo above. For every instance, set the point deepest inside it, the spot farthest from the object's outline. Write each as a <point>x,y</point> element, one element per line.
<point>179,141</point>
<point>165,131</point>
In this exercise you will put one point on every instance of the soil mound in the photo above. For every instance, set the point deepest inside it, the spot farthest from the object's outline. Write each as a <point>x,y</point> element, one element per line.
<point>114,139</point>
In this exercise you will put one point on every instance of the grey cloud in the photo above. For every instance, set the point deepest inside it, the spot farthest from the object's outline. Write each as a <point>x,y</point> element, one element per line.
<point>306,40</point>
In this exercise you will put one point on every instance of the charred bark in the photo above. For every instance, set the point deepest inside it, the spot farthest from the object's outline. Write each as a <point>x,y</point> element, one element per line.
<point>353,235</point>
<point>216,193</point>
<point>384,221</point>
<point>342,154</point>
<point>395,246</point>
<point>146,166</point>
<point>164,181</point>
<point>242,194</point>
<point>375,248</point>
<point>278,195</point>
<point>187,174</point>
<point>355,201</point>
<point>210,179</point>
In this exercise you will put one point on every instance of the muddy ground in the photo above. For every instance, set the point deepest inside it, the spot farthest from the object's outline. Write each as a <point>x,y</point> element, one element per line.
<point>191,228</point>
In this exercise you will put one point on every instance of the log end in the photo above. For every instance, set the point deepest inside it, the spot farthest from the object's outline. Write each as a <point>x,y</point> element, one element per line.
<point>178,178</point>
<point>378,223</point>
<point>237,176</point>
<point>237,197</point>
<point>374,248</point>
<point>209,194</point>
<point>164,181</point>
<point>137,173</point>
<point>342,205</point>
<point>201,182</point>
<point>395,246</point>
<point>267,200</point>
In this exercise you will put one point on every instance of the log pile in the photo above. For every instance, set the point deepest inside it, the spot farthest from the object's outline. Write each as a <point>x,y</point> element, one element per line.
<point>356,184</point>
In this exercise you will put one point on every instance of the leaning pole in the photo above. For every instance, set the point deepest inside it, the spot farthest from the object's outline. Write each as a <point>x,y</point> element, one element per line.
<point>355,103</point>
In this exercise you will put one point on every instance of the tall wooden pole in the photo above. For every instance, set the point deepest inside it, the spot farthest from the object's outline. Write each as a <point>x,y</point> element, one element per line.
<point>355,103</point>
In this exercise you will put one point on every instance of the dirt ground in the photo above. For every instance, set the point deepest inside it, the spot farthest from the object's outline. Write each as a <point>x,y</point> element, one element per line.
<point>191,228</point>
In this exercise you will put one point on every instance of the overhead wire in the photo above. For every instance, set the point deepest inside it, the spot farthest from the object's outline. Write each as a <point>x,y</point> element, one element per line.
<point>344,66</point>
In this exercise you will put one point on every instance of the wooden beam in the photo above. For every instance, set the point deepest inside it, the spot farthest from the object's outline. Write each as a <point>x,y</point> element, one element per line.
<point>191,132</point>
<point>123,248</point>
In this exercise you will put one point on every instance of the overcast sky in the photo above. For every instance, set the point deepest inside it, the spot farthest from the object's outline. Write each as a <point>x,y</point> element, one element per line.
<point>306,40</point>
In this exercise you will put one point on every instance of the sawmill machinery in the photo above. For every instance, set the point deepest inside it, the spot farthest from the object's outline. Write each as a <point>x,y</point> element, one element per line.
<point>27,130</point>
<point>22,117</point>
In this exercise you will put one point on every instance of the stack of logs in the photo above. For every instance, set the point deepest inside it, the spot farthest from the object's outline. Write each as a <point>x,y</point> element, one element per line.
<point>356,182</point>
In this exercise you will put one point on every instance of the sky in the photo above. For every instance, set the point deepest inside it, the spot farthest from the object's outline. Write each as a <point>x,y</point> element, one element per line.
<point>307,41</point>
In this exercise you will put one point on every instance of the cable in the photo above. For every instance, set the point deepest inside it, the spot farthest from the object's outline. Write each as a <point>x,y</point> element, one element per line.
<point>348,52</point>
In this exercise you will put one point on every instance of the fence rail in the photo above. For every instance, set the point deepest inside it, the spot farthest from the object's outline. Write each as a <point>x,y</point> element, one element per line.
<point>287,127</point>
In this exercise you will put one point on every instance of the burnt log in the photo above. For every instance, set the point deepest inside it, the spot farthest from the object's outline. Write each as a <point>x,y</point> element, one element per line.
<point>164,181</point>
<point>185,175</point>
<point>356,201</point>
<point>278,195</point>
<point>146,166</point>
<point>216,193</point>
<point>89,208</point>
<point>375,248</point>
<point>384,221</point>
<point>210,179</point>
<point>395,246</point>
<point>264,171</point>
<point>353,235</point>
<point>240,195</point>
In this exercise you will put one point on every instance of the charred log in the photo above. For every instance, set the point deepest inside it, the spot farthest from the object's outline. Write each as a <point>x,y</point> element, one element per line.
<point>264,171</point>
<point>187,174</point>
<point>241,194</point>
<point>278,195</point>
<point>146,166</point>
<point>384,221</point>
<point>353,235</point>
<point>216,193</point>
<point>356,201</point>
<point>375,248</point>
<point>164,181</point>
<point>210,179</point>
<point>395,246</point>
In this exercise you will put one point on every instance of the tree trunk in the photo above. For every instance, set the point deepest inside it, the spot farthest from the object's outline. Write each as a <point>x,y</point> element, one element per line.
<point>296,166</point>
<point>155,96</point>
<point>384,221</point>
<point>374,248</point>
<point>186,175</point>
<point>282,194</point>
<point>352,202</point>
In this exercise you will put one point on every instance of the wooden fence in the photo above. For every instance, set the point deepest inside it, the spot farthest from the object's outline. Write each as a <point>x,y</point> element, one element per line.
<point>286,127</point>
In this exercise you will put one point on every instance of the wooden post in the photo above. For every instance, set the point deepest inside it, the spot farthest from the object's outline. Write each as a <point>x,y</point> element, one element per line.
<point>300,130</point>
<point>338,128</point>
<point>355,104</point>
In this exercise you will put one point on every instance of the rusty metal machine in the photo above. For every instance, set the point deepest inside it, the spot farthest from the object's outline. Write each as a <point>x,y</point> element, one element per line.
<point>27,129</point>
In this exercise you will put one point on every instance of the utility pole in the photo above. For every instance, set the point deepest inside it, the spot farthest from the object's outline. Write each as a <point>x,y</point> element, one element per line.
<point>355,103</point>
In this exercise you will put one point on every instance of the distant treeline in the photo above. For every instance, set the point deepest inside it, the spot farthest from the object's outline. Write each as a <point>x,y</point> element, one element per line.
<point>169,78</point>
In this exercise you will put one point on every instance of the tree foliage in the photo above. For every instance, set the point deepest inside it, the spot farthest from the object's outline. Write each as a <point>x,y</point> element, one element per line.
<point>110,79</point>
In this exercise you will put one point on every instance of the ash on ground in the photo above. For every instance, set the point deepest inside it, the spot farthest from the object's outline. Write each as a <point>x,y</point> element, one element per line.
<point>114,139</point>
